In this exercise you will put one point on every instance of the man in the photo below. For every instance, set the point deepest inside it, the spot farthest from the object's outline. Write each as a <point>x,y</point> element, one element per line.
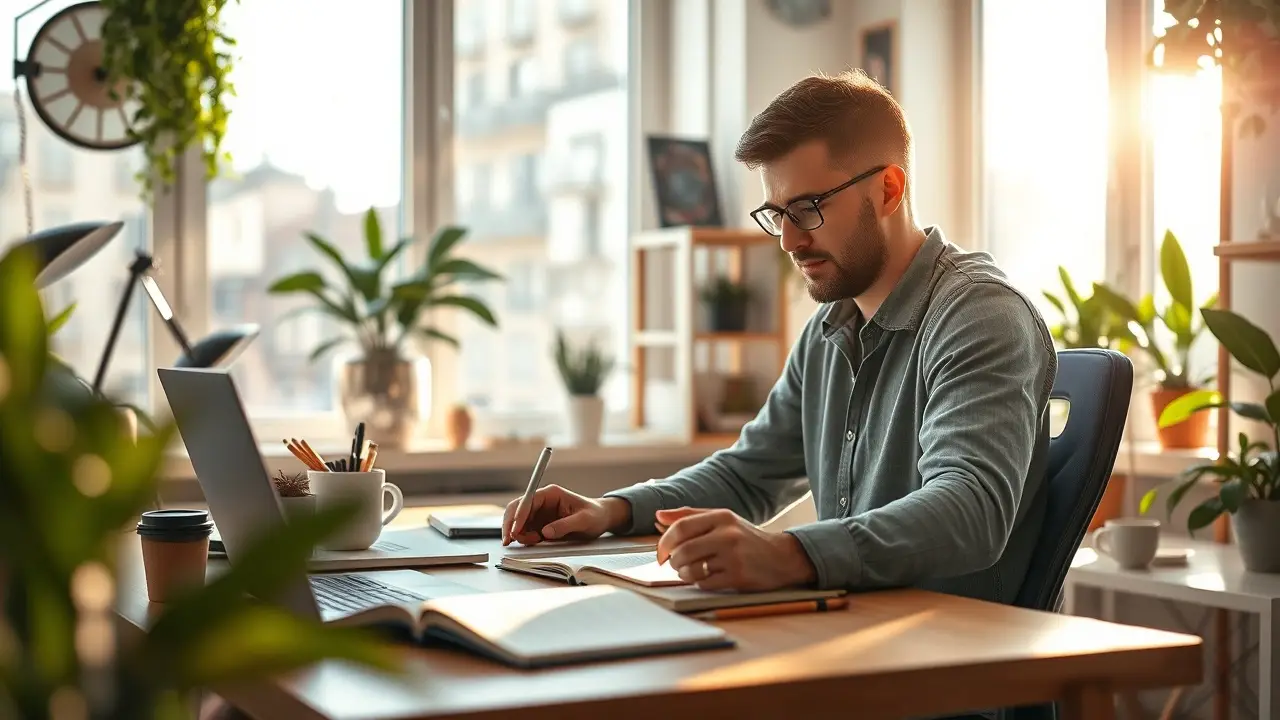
<point>915,400</point>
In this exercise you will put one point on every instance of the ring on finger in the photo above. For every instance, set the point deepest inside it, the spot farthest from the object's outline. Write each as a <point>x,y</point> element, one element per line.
<point>706,569</point>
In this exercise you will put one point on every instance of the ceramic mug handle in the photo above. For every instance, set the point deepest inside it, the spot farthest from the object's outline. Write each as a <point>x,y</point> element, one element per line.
<point>1101,541</point>
<point>397,502</point>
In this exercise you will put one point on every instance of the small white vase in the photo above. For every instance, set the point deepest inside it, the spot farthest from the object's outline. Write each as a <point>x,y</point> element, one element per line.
<point>586,420</point>
<point>294,507</point>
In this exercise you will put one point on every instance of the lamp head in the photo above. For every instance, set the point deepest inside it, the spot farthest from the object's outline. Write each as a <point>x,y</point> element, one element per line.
<point>220,348</point>
<point>63,249</point>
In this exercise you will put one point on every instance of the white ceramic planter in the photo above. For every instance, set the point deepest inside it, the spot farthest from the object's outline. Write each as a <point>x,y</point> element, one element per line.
<point>586,420</point>
<point>293,507</point>
<point>1256,526</point>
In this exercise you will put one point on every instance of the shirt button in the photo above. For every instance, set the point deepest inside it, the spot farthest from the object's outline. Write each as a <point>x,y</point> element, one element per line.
<point>844,501</point>
<point>849,436</point>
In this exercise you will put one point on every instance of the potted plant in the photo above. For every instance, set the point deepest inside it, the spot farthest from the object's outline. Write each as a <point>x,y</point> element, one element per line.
<point>583,373</point>
<point>1172,365</point>
<point>171,60</point>
<point>380,386</point>
<point>74,481</point>
<point>726,303</point>
<point>1244,41</point>
<point>1088,324</point>
<point>295,495</point>
<point>1248,481</point>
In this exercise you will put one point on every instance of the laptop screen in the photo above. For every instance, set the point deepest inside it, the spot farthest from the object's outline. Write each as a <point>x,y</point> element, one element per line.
<point>228,465</point>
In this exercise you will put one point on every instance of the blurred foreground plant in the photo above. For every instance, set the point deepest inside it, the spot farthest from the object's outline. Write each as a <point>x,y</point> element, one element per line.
<point>72,482</point>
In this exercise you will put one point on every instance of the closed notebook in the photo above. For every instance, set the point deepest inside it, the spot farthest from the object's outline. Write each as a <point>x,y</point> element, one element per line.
<point>409,548</point>
<point>641,573</point>
<point>549,626</point>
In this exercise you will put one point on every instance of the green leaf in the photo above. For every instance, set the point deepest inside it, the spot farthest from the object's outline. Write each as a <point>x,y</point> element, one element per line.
<point>1232,493</point>
<point>1180,489</point>
<point>1273,404</point>
<point>325,347</point>
<point>1146,309</point>
<point>1186,405</point>
<point>1175,272</point>
<point>396,249</point>
<point>434,334</point>
<point>458,268</point>
<point>345,312</point>
<point>1053,300</point>
<point>373,234</point>
<point>364,280</point>
<point>1249,344</point>
<point>1205,513</point>
<point>1253,411</point>
<point>261,639</point>
<point>473,304</point>
<point>60,319</point>
<point>24,336</point>
<point>1069,286</point>
<point>444,241</point>
<point>1116,303</point>
<point>309,281</point>
<point>1147,499</point>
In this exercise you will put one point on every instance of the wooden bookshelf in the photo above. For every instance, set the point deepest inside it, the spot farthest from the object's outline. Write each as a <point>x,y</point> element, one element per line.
<point>679,365</point>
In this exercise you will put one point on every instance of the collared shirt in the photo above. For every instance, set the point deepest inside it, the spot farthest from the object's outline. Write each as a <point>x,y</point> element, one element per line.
<point>923,434</point>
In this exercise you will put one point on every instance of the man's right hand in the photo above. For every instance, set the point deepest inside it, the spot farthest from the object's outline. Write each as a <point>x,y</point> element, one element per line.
<point>558,514</point>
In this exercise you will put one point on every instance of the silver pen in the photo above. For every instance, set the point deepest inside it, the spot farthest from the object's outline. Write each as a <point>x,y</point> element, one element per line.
<point>539,469</point>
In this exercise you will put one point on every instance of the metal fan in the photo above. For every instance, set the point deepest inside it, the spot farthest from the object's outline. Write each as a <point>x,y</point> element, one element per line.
<point>66,84</point>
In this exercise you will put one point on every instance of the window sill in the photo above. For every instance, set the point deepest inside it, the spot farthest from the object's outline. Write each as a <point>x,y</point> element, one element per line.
<point>1148,459</point>
<point>435,457</point>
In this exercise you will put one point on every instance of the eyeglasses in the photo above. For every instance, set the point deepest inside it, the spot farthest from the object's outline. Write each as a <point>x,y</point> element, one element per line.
<point>804,213</point>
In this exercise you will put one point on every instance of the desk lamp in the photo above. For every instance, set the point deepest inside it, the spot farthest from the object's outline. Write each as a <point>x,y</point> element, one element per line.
<point>61,250</point>
<point>219,348</point>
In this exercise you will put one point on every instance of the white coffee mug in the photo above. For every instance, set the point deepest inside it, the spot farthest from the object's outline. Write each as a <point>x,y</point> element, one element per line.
<point>368,491</point>
<point>1131,542</point>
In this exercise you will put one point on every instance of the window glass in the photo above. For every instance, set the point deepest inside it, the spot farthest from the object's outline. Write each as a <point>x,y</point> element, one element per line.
<point>316,139</point>
<point>74,184</point>
<point>541,201</point>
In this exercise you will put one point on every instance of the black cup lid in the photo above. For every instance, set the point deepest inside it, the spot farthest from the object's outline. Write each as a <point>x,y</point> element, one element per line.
<point>175,520</point>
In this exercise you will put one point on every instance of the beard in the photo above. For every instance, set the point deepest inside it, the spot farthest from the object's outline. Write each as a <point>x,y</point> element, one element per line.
<point>855,266</point>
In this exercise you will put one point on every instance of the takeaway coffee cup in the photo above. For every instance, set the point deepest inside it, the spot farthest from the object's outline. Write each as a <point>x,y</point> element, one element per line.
<point>175,551</point>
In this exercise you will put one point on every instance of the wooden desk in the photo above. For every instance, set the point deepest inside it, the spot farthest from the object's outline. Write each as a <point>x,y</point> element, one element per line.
<point>902,653</point>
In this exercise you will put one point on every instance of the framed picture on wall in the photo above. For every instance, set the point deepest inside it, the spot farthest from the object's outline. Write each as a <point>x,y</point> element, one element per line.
<point>684,182</point>
<point>880,55</point>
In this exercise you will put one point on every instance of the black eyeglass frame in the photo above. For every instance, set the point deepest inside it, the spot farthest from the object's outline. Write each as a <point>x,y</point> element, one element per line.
<point>815,201</point>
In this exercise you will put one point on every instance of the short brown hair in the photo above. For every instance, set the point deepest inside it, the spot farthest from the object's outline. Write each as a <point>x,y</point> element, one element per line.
<point>850,112</point>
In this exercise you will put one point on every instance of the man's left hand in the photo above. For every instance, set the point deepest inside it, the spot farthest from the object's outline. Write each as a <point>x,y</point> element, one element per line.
<point>718,550</point>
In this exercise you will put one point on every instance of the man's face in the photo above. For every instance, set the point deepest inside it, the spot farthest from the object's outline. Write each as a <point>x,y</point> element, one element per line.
<point>845,255</point>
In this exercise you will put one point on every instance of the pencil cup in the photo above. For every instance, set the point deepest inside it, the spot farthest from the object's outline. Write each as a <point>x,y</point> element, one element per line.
<point>175,551</point>
<point>368,491</point>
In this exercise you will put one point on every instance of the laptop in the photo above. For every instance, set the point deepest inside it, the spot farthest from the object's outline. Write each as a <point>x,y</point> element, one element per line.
<point>224,453</point>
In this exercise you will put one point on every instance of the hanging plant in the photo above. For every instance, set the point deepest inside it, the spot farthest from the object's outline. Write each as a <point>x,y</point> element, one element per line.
<point>1241,36</point>
<point>171,58</point>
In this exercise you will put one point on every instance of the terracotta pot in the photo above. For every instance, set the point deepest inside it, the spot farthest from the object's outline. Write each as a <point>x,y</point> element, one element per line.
<point>457,427</point>
<point>1190,433</point>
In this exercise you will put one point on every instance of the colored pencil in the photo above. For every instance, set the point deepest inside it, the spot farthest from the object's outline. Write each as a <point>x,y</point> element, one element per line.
<point>315,455</point>
<point>786,608</point>
<point>301,455</point>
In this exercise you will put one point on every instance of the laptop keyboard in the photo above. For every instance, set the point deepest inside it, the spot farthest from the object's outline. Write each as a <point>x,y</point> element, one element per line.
<point>348,593</point>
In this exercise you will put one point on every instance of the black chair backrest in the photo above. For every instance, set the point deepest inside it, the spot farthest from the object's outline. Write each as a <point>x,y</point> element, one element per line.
<point>1096,385</point>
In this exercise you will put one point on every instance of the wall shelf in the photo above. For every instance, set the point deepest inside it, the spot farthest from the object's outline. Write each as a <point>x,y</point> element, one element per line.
<point>690,381</point>
<point>1260,250</point>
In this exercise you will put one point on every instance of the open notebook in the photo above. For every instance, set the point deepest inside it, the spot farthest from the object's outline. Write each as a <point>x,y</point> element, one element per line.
<point>640,572</point>
<point>549,626</point>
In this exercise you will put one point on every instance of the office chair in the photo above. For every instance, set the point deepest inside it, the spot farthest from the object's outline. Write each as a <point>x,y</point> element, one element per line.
<point>1097,384</point>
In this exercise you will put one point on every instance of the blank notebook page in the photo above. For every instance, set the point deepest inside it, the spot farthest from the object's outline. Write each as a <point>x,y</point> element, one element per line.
<point>641,567</point>
<point>577,620</point>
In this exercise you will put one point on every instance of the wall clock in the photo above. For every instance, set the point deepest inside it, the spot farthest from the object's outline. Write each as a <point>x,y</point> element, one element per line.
<point>800,13</point>
<point>66,83</point>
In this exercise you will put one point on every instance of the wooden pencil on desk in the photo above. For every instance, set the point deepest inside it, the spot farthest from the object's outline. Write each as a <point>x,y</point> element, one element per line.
<point>370,457</point>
